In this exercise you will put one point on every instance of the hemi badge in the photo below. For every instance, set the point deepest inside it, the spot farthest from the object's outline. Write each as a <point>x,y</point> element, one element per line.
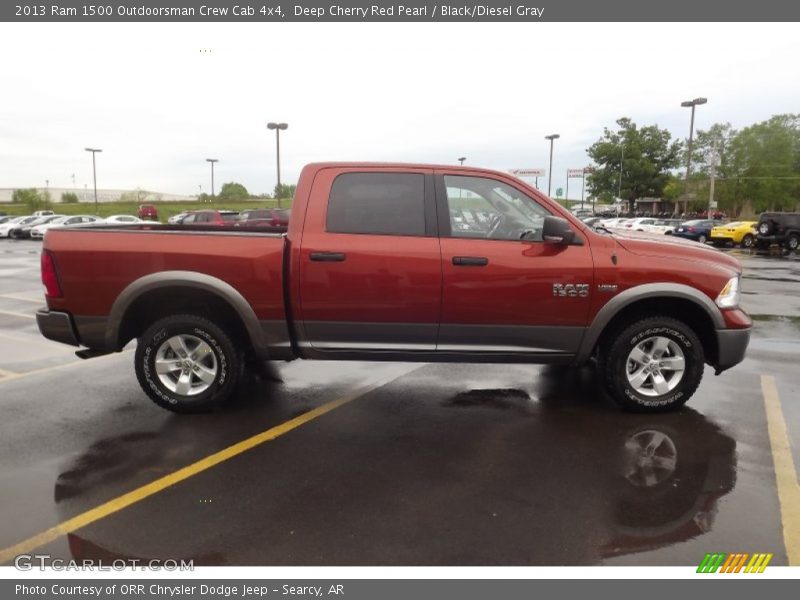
<point>607,287</point>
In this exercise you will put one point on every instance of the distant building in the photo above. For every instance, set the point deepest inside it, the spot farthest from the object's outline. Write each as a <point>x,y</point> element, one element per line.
<point>87,195</point>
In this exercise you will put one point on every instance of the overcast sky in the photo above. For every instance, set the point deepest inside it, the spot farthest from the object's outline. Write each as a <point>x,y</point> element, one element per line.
<point>158,106</point>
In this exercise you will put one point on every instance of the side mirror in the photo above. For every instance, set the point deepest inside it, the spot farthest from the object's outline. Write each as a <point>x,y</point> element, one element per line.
<point>556,230</point>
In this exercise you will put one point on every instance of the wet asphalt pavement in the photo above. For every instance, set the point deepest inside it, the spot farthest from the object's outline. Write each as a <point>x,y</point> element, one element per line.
<point>421,464</point>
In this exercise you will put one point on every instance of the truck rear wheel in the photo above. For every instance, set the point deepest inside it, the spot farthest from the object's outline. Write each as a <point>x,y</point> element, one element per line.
<point>653,365</point>
<point>186,363</point>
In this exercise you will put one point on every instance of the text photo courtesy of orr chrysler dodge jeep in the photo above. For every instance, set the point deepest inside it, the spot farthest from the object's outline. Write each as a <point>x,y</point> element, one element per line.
<point>397,262</point>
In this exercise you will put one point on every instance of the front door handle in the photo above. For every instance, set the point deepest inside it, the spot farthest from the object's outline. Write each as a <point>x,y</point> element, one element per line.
<point>470,261</point>
<point>328,256</point>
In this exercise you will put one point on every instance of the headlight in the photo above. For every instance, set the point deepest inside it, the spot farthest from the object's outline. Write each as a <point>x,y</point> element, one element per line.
<point>729,296</point>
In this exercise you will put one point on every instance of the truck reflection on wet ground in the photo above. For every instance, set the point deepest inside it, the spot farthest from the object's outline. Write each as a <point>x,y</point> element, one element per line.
<point>543,473</point>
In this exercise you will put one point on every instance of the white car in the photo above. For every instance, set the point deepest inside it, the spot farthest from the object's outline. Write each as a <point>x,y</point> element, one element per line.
<point>15,222</point>
<point>615,223</point>
<point>120,220</point>
<point>639,224</point>
<point>176,219</point>
<point>37,233</point>
<point>663,226</point>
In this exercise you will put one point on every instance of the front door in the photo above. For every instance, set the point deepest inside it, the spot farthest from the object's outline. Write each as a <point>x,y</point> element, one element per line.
<point>506,290</point>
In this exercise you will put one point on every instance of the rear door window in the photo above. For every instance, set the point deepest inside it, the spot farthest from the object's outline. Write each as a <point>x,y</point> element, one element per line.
<point>377,203</point>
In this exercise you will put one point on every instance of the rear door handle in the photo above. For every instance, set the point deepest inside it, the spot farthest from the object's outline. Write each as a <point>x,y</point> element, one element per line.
<point>470,261</point>
<point>328,256</point>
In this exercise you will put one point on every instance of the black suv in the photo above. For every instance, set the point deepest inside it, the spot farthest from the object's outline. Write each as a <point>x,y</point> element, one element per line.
<point>779,228</point>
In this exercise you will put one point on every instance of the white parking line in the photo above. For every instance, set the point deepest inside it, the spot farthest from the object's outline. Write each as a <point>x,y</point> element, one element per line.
<point>4,373</point>
<point>14,376</point>
<point>23,298</point>
<point>16,314</point>
<point>36,340</point>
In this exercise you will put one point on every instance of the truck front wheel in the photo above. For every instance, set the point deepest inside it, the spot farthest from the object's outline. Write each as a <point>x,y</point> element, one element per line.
<point>186,363</point>
<point>653,365</point>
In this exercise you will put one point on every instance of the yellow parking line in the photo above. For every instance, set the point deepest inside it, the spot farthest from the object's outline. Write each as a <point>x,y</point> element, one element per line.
<point>17,314</point>
<point>147,490</point>
<point>785,472</point>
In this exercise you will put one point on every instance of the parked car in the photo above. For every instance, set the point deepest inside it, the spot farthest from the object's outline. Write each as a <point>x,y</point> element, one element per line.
<point>591,221</point>
<point>698,230</point>
<point>121,220</point>
<point>6,227</point>
<point>639,224</point>
<point>779,228</point>
<point>177,219</point>
<point>378,276</point>
<point>148,212</point>
<point>737,233</point>
<point>23,230</point>
<point>4,219</point>
<point>614,223</point>
<point>37,233</point>
<point>663,226</point>
<point>211,217</point>
<point>264,217</point>
<point>43,213</point>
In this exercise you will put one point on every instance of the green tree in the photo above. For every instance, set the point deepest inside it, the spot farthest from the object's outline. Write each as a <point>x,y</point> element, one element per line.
<point>284,191</point>
<point>646,156</point>
<point>712,146</point>
<point>32,198</point>
<point>765,164</point>
<point>69,198</point>
<point>233,192</point>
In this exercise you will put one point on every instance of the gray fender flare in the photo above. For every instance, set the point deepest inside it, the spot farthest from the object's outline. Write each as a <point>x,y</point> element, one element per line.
<point>641,292</point>
<point>190,279</point>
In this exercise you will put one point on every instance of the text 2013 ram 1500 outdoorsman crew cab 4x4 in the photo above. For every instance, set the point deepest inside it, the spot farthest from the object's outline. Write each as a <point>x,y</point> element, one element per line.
<point>397,262</point>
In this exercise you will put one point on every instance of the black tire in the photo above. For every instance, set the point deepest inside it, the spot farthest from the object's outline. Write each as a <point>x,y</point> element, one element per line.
<point>614,364</point>
<point>748,241</point>
<point>702,239</point>
<point>765,227</point>
<point>227,364</point>
<point>792,242</point>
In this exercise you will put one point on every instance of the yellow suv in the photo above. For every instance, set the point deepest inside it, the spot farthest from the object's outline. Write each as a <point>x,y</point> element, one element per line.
<point>742,233</point>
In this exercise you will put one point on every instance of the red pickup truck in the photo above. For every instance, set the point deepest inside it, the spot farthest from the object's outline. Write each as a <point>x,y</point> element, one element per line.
<point>397,262</point>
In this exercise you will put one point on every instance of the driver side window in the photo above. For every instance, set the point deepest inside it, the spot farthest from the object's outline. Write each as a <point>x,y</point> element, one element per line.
<point>486,208</point>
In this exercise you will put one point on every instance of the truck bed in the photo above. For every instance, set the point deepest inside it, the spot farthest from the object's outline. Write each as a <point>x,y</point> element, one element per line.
<point>97,264</point>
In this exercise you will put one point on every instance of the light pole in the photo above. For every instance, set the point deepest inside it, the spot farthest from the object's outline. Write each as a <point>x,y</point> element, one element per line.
<point>212,161</point>
<point>94,151</point>
<point>686,104</point>
<point>461,160</point>
<point>278,127</point>
<point>551,137</point>
<point>621,162</point>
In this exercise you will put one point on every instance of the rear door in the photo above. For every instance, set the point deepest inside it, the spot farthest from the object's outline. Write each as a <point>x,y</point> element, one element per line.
<point>370,262</point>
<point>505,290</point>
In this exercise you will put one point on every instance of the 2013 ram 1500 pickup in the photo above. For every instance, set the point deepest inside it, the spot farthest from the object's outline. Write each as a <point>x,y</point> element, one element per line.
<point>397,262</point>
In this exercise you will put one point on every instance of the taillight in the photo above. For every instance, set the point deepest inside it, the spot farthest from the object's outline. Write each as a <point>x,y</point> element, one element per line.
<point>690,228</point>
<point>52,286</point>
